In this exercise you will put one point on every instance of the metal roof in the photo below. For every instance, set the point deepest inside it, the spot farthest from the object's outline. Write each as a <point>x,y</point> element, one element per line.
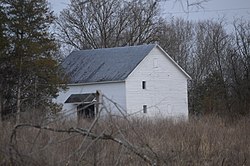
<point>106,64</point>
<point>81,98</point>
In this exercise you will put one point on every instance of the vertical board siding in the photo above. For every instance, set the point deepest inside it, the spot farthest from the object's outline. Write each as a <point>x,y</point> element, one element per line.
<point>166,88</point>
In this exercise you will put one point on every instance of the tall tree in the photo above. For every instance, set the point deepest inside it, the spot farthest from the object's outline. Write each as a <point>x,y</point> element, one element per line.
<point>34,69</point>
<point>108,23</point>
<point>217,60</point>
<point>176,37</point>
<point>238,67</point>
<point>209,87</point>
<point>2,49</point>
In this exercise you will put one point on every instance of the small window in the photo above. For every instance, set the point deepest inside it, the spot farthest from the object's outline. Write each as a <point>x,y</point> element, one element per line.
<point>155,63</point>
<point>144,109</point>
<point>143,84</point>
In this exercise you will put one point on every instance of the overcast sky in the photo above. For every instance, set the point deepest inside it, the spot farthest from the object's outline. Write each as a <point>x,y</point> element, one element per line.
<point>213,9</point>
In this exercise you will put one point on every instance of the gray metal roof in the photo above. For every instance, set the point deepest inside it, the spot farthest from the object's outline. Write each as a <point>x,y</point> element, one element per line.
<point>106,64</point>
<point>81,98</point>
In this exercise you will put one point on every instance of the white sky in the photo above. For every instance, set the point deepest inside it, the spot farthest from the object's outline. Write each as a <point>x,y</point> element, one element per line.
<point>213,9</point>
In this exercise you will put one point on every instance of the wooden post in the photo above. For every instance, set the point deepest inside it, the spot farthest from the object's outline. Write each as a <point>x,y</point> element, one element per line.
<point>97,111</point>
<point>98,101</point>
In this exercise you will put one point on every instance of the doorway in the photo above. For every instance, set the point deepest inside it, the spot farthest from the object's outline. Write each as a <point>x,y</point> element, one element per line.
<point>86,110</point>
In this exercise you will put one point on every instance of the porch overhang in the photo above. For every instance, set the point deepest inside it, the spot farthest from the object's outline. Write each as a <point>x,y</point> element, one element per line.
<point>81,98</point>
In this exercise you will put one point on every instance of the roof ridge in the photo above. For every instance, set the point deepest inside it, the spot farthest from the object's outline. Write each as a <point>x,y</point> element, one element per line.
<point>118,47</point>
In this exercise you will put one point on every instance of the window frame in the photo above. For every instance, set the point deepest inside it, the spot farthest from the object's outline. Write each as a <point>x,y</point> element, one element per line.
<point>145,109</point>
<point>155,63</point>
<point>143,84</point>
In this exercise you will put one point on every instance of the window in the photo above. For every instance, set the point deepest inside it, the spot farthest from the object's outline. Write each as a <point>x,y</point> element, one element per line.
<point>144,109</point>
<point>155,63</point>
<point>143,84</point>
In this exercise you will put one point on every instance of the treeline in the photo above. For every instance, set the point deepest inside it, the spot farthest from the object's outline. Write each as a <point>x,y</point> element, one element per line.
<point>218,60</point>
<point>215,54</point>
<point>216,57</point>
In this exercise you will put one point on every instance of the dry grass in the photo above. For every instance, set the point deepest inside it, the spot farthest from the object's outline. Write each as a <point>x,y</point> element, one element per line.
<point>207,141</point>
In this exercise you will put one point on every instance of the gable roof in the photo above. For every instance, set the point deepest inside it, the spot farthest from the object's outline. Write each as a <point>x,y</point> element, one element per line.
<point>106,64</point>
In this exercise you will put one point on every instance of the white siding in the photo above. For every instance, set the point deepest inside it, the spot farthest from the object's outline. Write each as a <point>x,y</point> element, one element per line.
<point>166,87</point>
<point>114,91</point>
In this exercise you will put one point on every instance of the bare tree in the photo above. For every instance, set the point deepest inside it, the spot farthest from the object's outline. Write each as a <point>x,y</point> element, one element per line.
<point>176,37</point>
<point>209,67</point>
<point>217,61</point>
<point>238,67</point>
<point>108,23</point>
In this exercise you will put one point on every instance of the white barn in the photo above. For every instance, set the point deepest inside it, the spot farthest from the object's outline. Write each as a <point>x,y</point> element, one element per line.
<point>143,80</point>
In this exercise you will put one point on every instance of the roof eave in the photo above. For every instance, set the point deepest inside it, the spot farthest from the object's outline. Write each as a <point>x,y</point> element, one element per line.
<point>91,83</point>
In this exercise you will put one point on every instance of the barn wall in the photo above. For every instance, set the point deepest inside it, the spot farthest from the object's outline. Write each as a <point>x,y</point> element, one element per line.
<point>166,88</point>
<point>114,91</point>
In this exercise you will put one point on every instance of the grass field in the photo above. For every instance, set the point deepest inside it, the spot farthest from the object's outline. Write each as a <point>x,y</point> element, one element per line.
<point>118,141</point>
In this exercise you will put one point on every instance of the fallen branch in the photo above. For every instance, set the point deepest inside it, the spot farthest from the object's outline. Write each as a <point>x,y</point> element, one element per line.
<point>83,132</point>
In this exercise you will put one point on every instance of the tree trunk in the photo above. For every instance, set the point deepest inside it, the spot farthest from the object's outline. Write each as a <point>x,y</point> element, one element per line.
<point>1,108</point>
<point>1,101</point>
<point>18,105</point>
